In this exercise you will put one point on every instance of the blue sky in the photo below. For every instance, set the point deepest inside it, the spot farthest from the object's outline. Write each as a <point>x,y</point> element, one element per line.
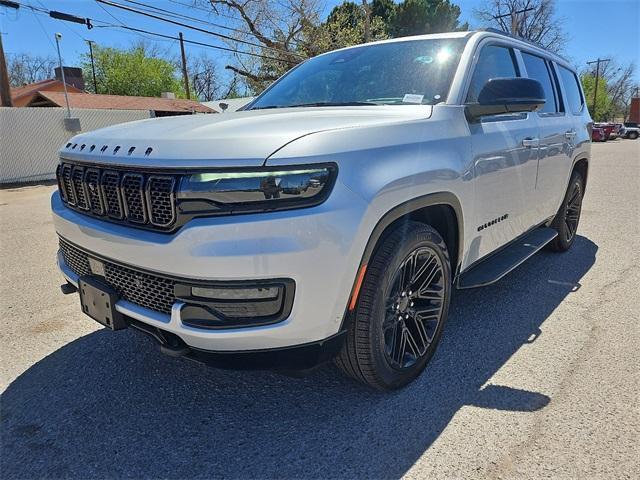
<point>601,28</point>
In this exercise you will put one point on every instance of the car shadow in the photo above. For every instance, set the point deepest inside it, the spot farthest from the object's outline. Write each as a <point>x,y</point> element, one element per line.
<point>110,405</point>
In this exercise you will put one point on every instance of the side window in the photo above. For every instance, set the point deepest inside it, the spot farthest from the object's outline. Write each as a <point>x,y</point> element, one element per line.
<point>574,98</point>
<point>494,62</point>
<point>538,69</point>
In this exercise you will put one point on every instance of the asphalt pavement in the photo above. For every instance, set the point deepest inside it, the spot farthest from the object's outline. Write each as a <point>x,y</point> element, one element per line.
<point>536,376</point>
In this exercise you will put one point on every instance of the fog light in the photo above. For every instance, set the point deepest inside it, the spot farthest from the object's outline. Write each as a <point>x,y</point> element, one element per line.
<point>236,303</point>
<point>260,293</point>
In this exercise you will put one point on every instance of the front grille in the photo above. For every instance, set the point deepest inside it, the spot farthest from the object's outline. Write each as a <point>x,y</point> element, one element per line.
<point>142,288</point>
<point>137,198</point>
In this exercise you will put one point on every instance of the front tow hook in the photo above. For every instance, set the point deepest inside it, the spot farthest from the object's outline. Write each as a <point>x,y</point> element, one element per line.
<point>68,288</point>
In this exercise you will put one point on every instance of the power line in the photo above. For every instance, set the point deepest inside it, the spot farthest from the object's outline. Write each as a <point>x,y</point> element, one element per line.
<point>116,18</point>
<point>194,19</point>
<point>143,32</point>
<point>194,42</point>
<point>198,29</point>
<point>68,27</point>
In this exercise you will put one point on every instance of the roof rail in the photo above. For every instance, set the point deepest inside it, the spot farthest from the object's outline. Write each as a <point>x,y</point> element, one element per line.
<point>510,35</point>
<point>516,37</point>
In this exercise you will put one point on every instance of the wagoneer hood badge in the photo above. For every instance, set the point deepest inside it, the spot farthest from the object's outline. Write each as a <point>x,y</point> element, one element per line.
<point>223,140</point>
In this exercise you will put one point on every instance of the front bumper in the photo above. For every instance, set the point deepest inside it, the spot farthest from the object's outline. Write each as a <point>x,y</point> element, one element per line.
<point>319,248</point>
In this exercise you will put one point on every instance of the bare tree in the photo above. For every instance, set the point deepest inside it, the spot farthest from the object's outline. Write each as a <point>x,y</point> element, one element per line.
<point>276,27</point>
<point>25,68</point>
<point>619,87</point>
<point>204,78</point>
<point>533,20</point>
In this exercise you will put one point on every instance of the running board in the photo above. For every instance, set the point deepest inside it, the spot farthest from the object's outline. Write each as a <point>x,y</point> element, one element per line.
<point>498,265</point>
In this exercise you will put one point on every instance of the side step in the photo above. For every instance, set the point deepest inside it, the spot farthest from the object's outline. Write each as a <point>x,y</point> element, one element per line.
<point>498,265</point>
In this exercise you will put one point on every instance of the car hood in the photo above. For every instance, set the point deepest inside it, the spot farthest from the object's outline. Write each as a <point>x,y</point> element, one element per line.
<point>230,139</point>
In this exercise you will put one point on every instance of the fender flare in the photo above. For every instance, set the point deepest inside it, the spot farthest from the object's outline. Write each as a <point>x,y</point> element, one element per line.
<point>579,158</point>
<point>399,211</point>
<point>418,203</point>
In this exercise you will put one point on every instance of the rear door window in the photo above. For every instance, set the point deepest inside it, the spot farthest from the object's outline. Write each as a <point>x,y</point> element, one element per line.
<point>574,99</point>
<point>539,69</point>
<point>494,62</point>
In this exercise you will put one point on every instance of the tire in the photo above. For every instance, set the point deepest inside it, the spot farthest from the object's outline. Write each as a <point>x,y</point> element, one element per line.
<point>568,217</point>
<point>633,135</point>
<point>385,319</point>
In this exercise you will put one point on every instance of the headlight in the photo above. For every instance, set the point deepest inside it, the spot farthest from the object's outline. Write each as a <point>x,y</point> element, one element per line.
<point>255,190</point>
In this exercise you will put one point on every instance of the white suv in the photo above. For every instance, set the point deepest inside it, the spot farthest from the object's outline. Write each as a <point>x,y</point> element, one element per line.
<point>332,217</point>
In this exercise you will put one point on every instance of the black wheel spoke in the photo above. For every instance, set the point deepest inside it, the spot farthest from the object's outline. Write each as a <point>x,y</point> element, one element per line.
<point>430,294</point>
<point>413,307</point>
<point>411,342</point>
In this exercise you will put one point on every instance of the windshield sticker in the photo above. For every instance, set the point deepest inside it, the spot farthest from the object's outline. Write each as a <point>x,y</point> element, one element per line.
<point>412,98</point>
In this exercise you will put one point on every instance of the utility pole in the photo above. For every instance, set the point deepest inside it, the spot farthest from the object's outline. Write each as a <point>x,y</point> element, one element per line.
<point>595,88</point>
<point>64,82</point>
<point>367,21</point>
<point>515,23</point>
<point>93,66</point>
<point>5,89</point>
<point>184,67</point>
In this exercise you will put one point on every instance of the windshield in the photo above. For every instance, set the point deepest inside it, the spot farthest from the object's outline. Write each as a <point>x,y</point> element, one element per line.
<point>396,73</point>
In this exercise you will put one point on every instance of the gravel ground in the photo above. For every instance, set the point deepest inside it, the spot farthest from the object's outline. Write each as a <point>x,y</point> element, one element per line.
<point>536,376</point>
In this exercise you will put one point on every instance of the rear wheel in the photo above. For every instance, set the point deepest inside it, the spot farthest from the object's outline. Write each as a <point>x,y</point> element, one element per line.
<point>633,135</point>
<point>401,309</point>
<point>568,217</point>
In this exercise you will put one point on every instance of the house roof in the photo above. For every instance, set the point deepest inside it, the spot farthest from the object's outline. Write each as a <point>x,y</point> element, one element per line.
<point>233,104</point>
<point>51,84</point>
<point>118,102</point>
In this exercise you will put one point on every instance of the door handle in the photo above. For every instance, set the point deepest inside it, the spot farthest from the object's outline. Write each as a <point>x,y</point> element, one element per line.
<point>570,135</point>
<point>531,142</point>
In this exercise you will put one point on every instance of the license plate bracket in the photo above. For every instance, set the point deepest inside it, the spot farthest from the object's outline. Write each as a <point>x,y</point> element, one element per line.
<point>98,301</point>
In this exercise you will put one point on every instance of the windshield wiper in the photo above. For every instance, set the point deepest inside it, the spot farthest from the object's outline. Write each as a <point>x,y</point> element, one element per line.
<point>266,107</point>
<point>333,104</point>
<point>317,104</point>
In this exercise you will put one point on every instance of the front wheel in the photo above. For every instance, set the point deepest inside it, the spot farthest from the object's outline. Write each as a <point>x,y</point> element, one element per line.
<point>401,309</point>
<point>568,217</point>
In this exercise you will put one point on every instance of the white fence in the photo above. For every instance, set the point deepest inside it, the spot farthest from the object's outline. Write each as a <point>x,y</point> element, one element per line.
<point>31,137</point>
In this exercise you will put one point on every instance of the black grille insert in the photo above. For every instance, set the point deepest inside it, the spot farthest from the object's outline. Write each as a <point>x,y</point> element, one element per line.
<point>133,194</point>
<point>137,198</point>
<point>142,288</point>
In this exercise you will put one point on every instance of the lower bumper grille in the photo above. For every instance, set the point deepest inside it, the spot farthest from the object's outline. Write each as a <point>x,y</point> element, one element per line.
<point>215,305</point>
<point>147,290</point>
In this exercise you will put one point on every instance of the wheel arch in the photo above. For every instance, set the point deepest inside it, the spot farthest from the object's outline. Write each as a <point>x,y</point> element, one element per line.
<point>581,165</point>
<point>442,208</point>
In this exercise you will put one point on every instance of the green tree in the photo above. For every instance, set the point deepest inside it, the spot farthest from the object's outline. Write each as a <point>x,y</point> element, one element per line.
<point>384,9</point>
<point>131,72</point>
<point>345,26</point>
<point>604,105</point>
<point>418,17</point>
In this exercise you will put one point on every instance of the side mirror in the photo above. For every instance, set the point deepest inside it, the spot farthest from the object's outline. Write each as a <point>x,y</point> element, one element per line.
<point>507,95</point>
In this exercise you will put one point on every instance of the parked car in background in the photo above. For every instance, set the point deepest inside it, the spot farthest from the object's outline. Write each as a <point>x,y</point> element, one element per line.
<point>609,129</point>
<point>598,135</point>
<point>333,217</point>
<point>630,132</point>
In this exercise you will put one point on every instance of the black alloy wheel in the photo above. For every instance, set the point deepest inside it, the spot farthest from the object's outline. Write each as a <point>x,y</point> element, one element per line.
<point>414,307</point>
<point>572,212</point>
<point>401,308</point>
<point>568,217</point>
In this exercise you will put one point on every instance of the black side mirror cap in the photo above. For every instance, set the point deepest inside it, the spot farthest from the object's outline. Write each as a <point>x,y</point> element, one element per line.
<point>507,95</point>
